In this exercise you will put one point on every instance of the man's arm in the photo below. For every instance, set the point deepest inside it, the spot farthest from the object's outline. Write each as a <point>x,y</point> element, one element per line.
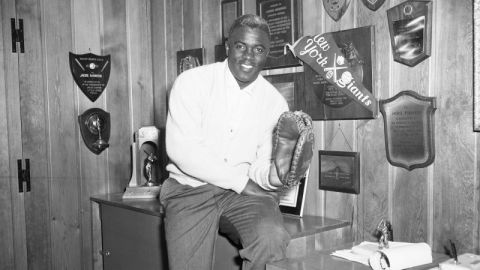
<point>184,142</point>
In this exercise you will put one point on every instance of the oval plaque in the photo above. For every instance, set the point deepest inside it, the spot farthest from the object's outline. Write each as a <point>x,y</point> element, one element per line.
<point>408,124</point>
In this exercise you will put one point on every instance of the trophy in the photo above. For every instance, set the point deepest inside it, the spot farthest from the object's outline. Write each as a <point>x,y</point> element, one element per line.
<point>95,129</point>
<point>145,171</point>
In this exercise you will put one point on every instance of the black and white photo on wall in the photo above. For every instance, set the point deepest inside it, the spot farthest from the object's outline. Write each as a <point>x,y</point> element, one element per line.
<point>231,9</point>
<point>284,18</point>
<point>339,171</point>
<point>289,85</point>
<point>188,59</point>
<point>410,25</point>
<point>90,72</point>
<point>323,99</point>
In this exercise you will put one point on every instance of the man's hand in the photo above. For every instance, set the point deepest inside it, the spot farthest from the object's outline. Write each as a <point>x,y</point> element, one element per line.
<point>253,189</point>
<point>273,176</point>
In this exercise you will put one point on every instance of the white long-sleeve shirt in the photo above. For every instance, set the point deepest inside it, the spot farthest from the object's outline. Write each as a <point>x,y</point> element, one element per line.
<point>218,133</point>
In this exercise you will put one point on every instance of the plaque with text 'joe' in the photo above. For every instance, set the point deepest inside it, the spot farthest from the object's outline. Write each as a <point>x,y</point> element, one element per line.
<point>409,125</point>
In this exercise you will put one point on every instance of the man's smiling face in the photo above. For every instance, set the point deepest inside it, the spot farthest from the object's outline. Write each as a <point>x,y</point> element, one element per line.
<point>247,50</point>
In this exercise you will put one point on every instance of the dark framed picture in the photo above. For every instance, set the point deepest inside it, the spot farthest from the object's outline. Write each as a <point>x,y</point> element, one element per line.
<point>292,200</point>
<point>231,9</point>
<point>284,18</point>
<point>289,84</point>
<point>188,59</point>
<point>325,101</point>
<point>476,66</point>
<point>339,171</point>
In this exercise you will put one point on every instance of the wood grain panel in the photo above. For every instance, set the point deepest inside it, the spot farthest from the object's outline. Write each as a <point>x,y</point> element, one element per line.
<point>60,94</point>
<point>410,189</point>
<point>6,216</point>
<point>192,24</point>
<point>14,136</point>
<point>159,71</point>
<point>139,50</point>
<point>174,19</point>
<point>93,168</point>
<point>117,94</point>
<point>373,196</point>
<point>314,200</point>
<point>211,32</point>
<point>339,136</point>
<point>455,186</point>
<point>34,127</point>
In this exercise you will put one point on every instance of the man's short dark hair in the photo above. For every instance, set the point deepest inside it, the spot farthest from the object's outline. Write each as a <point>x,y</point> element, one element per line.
<point>251,21</point>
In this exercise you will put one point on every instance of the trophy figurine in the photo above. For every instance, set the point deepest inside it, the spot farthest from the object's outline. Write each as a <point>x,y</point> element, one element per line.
<point>384,233</point>
<point>148,169</point>
<point>99,144</point>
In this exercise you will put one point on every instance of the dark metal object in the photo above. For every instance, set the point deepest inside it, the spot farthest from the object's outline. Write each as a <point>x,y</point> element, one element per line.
<point>17,35</point>
<point>23,175</point>
<point>95,129</point>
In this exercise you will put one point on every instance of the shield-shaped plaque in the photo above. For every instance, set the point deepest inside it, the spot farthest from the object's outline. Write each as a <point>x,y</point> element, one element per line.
<point>336,8</point>
<point>373,4</point>
<point>410,25</point>
<point>409,124</point>
<point>95,129</point>
<point>91,73</point>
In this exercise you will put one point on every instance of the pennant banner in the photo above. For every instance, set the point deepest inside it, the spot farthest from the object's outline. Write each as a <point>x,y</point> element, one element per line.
<point>323,55</point>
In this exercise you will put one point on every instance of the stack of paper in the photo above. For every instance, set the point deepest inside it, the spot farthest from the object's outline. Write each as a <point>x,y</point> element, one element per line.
<point>399,255</point>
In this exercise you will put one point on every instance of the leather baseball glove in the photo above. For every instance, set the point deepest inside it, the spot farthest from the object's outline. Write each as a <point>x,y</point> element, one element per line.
<point>293,142</point>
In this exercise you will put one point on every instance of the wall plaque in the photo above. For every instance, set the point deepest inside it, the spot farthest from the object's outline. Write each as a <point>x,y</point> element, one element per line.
<point>336,8</point>
<point>91,73</point>
<point>409,124</point>
<point>283,17</point>
<point>410,25</point>
<point>324,100</point>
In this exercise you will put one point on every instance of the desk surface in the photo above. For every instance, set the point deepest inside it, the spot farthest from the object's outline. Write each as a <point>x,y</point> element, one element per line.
<point>297,227</point>
<point>322,260</point>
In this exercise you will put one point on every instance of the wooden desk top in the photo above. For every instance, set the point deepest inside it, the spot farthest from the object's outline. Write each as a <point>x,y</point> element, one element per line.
<point>322,260</point>
<point>297,227</point>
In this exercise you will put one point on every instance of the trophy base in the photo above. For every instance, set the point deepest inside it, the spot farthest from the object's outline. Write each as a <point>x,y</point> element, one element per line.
<point>141,192</point>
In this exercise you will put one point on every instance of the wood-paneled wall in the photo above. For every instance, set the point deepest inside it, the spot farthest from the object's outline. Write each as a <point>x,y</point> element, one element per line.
<point>430,204</point>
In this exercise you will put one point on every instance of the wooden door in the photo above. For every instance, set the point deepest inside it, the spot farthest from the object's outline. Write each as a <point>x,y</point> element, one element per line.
<point>25,128</point>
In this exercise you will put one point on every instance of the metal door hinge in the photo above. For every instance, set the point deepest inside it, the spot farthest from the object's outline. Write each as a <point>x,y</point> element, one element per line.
<point>17,35</point>
<point>23,175</point>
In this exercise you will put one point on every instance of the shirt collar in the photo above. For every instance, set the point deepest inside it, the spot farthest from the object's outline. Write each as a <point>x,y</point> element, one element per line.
<point>230,81</point>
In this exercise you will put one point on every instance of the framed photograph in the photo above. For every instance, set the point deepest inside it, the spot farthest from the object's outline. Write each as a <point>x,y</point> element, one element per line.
<point>284,18</point>
<point>476,65</point>
<point>292,200</point>
<point>325,101</point>
<point>231,9</point>
<point>339,171</point>
<point>289,84</point>
<point>188,59</point>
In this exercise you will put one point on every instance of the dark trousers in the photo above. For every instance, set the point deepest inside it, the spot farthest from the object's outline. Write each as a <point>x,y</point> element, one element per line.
<point>193,217</point>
